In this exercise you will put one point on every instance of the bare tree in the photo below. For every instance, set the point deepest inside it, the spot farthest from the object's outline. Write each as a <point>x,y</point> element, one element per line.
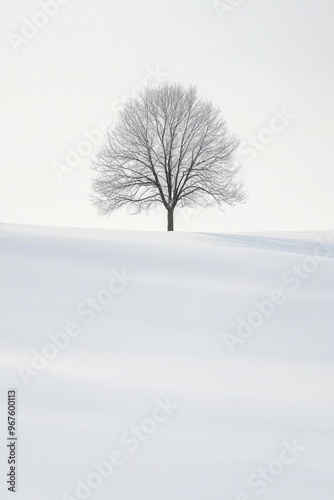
<point>169,147</point>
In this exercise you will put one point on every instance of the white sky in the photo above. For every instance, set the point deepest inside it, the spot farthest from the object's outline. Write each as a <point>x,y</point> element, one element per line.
<point>259,57</point>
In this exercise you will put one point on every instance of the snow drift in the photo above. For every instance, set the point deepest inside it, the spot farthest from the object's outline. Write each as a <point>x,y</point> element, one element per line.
<point>168,366</point>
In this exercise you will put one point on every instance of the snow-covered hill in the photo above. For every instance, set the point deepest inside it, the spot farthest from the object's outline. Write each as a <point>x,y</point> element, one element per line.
<point>155,366</point>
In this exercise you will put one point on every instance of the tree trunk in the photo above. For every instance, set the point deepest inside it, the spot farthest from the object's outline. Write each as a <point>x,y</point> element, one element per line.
<point>170,219</point>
